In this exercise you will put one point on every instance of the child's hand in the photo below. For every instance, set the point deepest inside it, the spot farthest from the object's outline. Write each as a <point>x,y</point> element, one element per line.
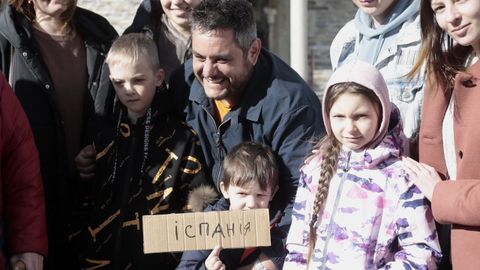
<point>213,260</point>
<point>85,162</point>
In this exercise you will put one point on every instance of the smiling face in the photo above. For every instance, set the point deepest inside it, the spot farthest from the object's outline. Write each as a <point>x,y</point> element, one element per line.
<point>354,120</point>
<point>220,65</point>
<point>135,83</point>
<point>378,9</point>
<point>178,11</point>
<point>460,19</point>
<point>251,196</point>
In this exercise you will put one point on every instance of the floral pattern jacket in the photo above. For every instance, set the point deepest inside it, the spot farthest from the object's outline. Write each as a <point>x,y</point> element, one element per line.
<point>373,218</point>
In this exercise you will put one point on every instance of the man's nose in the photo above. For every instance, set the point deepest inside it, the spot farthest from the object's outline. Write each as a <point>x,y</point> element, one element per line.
<point>209,69</point>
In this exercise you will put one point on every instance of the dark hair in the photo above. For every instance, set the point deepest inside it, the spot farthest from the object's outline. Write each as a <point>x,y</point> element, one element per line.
<point>226,14</point>
<point>443,59</point>
<point>26,8</point>
<point>250,162</point>
<point>329,148</point>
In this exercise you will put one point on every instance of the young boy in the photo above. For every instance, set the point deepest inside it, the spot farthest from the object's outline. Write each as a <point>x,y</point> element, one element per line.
<point>249,181</point>
<point>147,162</point>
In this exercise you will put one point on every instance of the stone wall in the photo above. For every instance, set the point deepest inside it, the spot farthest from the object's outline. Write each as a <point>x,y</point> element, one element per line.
<point>119,12</point>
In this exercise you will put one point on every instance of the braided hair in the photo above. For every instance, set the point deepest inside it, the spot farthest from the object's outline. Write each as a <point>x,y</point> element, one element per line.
<point>330,149</point>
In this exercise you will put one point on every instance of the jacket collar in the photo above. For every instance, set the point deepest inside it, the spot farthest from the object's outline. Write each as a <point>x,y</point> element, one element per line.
<point>253,97</point>
<point>468,79</point>
<point>15,28</point>
<point>160,106</point>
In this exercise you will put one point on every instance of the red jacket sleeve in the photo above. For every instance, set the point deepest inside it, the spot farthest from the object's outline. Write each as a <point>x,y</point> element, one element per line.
<point>22,196</point>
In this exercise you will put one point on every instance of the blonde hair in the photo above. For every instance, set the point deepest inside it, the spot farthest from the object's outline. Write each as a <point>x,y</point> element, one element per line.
<point>131,47</point>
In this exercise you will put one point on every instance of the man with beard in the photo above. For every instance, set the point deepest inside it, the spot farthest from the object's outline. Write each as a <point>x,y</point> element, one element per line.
<point>234,91</point>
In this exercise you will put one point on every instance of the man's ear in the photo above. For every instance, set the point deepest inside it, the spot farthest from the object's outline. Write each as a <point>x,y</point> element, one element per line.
<point>254,51</point>
<point>274,192</point>
<point>224,190</point>
<point>159,77</point>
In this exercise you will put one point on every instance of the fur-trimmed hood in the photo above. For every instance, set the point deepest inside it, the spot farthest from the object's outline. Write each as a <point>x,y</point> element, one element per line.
<point>200,197</point>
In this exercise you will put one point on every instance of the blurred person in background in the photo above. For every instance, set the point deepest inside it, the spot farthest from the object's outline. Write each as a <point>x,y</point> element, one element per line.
<point>386,34</point>
<point>52,52</point>
<point>168,23</point>
<point>23,232</point>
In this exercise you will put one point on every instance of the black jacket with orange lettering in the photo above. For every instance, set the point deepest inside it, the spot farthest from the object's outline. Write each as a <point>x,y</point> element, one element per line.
<point>173,167</point>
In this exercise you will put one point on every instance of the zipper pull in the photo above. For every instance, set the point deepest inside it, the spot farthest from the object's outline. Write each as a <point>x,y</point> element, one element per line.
<point>347,165</point>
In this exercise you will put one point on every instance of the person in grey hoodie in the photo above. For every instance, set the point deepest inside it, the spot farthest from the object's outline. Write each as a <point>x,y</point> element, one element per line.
<point>386,34</point>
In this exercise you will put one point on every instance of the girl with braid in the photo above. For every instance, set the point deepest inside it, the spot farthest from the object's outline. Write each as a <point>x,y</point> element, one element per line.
<point>355,207</point>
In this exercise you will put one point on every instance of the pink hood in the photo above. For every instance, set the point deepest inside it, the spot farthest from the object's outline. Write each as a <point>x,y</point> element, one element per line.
<point>367,75</point>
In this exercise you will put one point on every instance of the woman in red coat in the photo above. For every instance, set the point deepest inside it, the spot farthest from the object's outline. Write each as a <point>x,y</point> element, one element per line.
<point>23,233</point>
<point>450,131</point>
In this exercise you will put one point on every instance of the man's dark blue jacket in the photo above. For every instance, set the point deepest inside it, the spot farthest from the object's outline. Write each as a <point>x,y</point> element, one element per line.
<point>277,109</point>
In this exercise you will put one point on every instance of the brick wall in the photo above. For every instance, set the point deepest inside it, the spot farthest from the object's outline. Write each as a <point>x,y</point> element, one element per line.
<point>326,17</point>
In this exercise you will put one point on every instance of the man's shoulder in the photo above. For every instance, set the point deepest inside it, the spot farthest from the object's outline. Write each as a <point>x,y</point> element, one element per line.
<point>285,82</point>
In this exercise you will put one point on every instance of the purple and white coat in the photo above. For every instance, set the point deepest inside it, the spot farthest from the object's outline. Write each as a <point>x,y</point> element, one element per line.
<point>374,217</point>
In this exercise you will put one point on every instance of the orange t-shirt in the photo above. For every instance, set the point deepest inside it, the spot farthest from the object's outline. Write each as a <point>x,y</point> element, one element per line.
<point>221,109</point>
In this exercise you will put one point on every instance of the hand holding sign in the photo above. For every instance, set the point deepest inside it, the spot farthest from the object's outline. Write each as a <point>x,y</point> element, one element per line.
<point>213,261</point>
<point>205,230</point>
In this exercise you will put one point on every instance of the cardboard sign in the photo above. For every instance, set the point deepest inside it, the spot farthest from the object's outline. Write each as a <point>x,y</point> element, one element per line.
<point>205,230</point>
